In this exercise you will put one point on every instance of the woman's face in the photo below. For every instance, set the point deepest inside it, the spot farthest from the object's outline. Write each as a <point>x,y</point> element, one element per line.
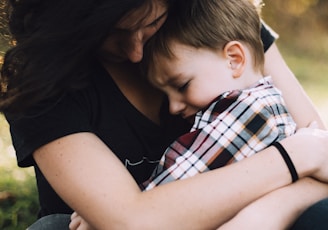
<point>127,40</point>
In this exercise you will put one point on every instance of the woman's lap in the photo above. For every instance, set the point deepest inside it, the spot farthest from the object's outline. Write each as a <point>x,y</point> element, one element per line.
<point>314,218</point>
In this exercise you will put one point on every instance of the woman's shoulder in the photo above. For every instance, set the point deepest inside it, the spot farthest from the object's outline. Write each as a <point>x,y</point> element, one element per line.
<point>56,117</point>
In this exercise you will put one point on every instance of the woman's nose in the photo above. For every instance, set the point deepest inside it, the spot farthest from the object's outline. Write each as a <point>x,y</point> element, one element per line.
<point>134,50</point>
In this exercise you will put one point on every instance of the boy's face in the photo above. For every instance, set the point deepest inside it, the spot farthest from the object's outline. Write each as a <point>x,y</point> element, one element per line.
<point>193,79</point>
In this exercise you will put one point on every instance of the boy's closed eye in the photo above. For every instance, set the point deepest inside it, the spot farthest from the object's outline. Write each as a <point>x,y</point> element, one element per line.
<point>183,87</point>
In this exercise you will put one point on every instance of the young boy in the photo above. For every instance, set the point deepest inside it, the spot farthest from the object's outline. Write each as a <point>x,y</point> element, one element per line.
<point>208,59</point>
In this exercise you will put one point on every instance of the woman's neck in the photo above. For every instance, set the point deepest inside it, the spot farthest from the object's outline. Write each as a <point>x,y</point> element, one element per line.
<point>140,93</point>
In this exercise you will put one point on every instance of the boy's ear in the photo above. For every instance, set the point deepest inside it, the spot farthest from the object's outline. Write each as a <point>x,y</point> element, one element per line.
<point>235,53</point>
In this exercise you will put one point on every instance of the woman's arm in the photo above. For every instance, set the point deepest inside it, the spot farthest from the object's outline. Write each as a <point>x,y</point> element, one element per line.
<point>295,97</point>
<point>279,209</point>
<point>102,191</point>
<point>268,212</point>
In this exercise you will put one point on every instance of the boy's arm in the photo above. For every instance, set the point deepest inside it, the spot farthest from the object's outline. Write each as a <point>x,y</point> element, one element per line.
<point>280,208</point>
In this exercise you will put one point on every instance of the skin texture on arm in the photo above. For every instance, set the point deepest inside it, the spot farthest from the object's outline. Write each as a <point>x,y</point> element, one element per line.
<point>295,97</point>
<point>112,200</point>
<point>279,209</point>
<point>276,211</point>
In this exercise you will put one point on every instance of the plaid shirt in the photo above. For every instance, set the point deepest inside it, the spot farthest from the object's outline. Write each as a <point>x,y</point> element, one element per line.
<point>237,125</point>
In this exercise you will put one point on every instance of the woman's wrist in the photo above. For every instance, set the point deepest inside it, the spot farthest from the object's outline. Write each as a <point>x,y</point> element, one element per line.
<point>284,154</point>
<point>304,152</point>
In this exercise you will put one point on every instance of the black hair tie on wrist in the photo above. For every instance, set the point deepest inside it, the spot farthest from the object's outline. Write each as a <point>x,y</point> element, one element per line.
<point>287,159</point>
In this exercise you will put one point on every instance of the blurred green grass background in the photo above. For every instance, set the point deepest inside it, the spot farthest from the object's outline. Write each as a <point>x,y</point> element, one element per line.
<point>303,42</point>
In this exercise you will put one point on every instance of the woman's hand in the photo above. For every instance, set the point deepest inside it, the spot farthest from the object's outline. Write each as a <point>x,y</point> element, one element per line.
<point>78,223</point>
<point>316,148</point>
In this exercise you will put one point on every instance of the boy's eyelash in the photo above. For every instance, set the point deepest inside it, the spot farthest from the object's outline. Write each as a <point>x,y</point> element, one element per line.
<point>183,87</point>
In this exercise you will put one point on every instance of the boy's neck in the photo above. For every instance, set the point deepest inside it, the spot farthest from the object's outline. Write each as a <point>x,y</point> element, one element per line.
<point>249,77</point>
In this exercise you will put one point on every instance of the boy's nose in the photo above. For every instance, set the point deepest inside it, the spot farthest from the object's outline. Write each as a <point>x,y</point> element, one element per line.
<point>176,107</point>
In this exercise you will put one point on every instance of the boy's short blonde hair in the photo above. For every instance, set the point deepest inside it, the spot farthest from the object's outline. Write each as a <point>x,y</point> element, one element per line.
<point>209,24</point>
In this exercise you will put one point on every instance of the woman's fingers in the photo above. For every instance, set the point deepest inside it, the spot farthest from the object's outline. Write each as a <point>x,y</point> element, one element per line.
<point>313,125</point>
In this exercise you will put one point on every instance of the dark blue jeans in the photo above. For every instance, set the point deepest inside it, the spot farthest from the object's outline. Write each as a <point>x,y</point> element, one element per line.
<point>52,222</point>
<point>314,218</point>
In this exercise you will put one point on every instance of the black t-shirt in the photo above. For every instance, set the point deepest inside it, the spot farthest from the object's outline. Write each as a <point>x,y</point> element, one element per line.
<point>102,109</point>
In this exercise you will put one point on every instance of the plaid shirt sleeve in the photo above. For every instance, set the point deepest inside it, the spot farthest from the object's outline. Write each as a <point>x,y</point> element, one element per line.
<point>243,127</point>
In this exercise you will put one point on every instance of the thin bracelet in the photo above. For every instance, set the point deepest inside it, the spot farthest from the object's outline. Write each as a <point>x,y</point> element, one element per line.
<point>287,159</point>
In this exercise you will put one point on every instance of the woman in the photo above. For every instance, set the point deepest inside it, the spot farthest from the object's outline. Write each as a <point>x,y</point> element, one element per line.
<point>78,109</point>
